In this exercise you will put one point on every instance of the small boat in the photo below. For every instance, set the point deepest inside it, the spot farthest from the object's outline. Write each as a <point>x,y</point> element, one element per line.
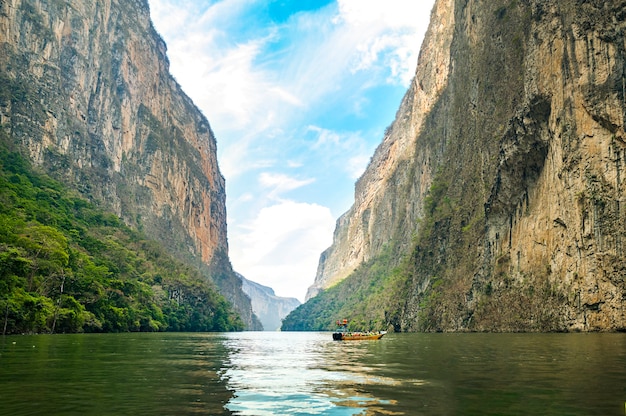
<point>356,336</point>
<point>342,333</point>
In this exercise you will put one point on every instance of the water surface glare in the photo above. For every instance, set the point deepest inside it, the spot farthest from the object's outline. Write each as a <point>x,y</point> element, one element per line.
<point>274,373</point>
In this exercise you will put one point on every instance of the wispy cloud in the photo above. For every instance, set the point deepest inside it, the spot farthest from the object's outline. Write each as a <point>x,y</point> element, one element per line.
<point>277,184</point>
<point>390,30</point>
<point>347,151</point>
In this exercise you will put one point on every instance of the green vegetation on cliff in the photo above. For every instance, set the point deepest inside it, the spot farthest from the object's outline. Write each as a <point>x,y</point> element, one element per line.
<point>68,266</point>
<point>369,299</point>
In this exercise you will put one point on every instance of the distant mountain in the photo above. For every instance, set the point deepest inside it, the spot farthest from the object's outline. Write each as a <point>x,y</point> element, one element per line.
<point>270,309</point>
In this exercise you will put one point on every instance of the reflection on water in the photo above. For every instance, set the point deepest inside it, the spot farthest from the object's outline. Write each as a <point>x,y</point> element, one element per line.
<point>427,374</point>
<point>271,373</point>
<point>297,374</point>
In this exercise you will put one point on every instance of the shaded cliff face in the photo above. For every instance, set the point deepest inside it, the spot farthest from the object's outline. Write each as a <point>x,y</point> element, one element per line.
<point>86,91</point>
<point>504,197</point>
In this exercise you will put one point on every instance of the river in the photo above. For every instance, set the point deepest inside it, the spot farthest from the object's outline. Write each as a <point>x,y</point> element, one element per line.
<point>290,373</point>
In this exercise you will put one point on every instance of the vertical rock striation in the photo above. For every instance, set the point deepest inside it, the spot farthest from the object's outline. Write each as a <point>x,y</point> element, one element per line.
<point>501,181</point>
<point>85,89</point>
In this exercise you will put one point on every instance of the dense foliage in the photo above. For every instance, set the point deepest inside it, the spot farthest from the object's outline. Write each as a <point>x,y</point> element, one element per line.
<point>369,298</point>
<point>67,266</point>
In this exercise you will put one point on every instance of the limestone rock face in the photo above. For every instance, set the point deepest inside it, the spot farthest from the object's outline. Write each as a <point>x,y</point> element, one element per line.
<point>502,178</point>
<point>86,90</point>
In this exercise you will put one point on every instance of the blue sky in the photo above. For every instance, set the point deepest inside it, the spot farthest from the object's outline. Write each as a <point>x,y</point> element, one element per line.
<point>298,94</point>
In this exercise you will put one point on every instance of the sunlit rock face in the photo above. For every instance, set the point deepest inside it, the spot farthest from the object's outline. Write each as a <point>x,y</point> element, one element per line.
<point>94,104</point>
<point>501,180</point>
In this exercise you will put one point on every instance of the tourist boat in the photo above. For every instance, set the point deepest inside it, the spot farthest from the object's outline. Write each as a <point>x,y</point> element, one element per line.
<point>342,333</point>
<point>356,336</point>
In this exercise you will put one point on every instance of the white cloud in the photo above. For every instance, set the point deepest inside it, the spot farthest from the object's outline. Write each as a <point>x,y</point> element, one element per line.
<point>391,33</point>
<point>277,184</point>
<point>388,13</point>
<point>325,137</point>
<point>228,87</point>
<point>280,248</point>
<point>167,17</point>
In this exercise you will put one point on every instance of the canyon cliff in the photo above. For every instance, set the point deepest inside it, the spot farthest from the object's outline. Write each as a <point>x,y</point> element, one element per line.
<point>270,309</point>
<point>494,202</point>
<point>87,94</point>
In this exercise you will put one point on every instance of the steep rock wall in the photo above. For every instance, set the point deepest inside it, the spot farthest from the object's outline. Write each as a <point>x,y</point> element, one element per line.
<point>86,91</point>
<point>396,168</point>
<point>510,192</point>
<point>555,211</point>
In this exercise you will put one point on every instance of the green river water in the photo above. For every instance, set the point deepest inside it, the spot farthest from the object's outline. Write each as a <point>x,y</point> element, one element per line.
<point>274,373</point>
